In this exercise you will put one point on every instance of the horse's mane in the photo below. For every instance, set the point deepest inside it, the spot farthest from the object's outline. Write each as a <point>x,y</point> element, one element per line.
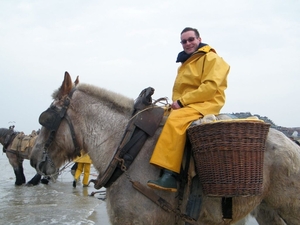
<point>123,102</point>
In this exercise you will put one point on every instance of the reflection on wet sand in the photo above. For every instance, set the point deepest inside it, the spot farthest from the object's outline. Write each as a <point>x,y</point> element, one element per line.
<point>55,203</point>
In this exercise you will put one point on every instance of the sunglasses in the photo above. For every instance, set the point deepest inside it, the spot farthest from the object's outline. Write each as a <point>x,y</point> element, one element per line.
<point>190,39</point>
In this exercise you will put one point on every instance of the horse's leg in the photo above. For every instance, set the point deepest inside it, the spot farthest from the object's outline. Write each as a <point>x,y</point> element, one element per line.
<point>20,178</point>
<point>264,215</point>
<point>35,180</point>
<point>17,164</point>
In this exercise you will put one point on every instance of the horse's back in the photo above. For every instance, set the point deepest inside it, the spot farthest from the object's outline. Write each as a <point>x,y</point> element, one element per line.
<point>282,176</point>
<point>282,152</point>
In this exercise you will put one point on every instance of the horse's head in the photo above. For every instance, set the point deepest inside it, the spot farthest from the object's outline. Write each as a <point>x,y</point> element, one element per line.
<point>57,141</point>
<point>6,136</point>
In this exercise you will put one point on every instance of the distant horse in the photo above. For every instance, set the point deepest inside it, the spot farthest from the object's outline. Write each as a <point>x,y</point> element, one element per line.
<point>16,156</point>
<point>94,119</point>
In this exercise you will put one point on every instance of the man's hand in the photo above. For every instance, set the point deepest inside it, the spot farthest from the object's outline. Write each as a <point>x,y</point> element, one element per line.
<point>175,105</point>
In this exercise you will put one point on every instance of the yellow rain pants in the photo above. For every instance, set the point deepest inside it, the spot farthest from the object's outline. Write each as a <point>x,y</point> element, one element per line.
<point>85,167</point>
<point>169,148</point>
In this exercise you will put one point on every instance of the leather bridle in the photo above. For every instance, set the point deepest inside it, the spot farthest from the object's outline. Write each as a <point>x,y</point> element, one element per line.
<point>51,120</point>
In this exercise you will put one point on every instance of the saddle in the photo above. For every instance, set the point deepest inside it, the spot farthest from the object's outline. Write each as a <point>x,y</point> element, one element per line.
<point>23,143</point>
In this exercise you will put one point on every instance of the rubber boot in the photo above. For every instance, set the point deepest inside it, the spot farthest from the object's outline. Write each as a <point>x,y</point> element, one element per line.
<point>166,182</point>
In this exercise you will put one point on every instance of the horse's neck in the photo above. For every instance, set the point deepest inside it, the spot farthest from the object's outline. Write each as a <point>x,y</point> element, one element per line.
<point>103,130</point>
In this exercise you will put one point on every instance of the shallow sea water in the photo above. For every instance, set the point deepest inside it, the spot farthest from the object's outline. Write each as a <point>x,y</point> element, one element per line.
<point>56,203</point>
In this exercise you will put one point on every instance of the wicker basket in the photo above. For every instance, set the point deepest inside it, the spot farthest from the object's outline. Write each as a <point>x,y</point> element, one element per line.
<point>229,156</point>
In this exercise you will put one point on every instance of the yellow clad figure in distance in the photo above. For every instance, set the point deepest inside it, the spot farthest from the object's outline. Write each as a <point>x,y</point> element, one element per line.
<point>84,165</point>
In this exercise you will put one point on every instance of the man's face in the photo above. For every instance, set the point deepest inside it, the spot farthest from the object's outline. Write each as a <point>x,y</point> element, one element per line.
<point>190,42</point>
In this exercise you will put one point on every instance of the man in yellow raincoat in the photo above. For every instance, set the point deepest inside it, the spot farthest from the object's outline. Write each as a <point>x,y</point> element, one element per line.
<point>83,165</point>
<point>199,90</point>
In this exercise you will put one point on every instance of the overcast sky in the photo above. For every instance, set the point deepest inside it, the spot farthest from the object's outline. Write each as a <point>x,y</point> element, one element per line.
<point>126,46</point>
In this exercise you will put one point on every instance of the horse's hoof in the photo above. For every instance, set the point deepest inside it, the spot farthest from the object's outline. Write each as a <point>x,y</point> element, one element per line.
<point>44,181</point>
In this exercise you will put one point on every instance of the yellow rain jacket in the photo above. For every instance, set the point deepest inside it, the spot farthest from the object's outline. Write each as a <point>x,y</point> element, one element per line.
<point>200,87</point>
<point>84,158</point>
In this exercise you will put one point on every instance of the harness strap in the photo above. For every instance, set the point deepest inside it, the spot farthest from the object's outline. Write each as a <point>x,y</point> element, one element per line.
<point>227,207</point>
<point>17,153</point>
<point>138,130</point>
<point>149,193</point>
<point>76,145</point>
<point>128,154</point>
<point>104,178</point>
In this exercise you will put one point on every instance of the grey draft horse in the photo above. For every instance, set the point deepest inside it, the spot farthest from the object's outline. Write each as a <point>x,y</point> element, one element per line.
<point>98,119</point>
<point>16,158</point>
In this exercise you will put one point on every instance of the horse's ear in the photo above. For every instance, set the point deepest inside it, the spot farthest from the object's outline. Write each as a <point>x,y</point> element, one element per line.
<point>76,81</point>
<point>66,86</point>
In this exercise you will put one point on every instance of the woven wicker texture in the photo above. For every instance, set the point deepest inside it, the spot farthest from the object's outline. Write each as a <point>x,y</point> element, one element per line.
<point>229,156</point>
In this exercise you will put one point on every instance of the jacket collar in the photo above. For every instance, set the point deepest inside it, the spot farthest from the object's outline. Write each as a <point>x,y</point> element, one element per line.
<point>183,56</point>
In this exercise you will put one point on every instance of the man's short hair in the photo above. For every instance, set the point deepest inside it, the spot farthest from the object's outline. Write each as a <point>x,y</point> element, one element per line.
<point>190,29</point>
